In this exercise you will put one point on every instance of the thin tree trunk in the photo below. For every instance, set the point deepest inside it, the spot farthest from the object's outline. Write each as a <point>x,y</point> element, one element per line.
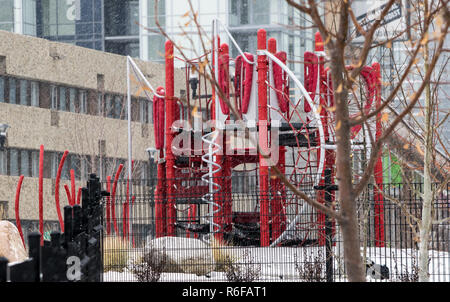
<point>426,222</point>
<point>349,223</point>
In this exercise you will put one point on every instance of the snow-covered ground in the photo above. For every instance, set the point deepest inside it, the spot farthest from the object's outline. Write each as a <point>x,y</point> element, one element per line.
<point>278,264</point>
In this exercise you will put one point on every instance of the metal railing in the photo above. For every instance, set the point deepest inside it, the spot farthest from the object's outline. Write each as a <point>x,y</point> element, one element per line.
<point>302,255</point>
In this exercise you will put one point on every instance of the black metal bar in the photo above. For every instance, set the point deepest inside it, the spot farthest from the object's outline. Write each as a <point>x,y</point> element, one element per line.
<point>77,220</point>
<point>68,224</point>
<point>34,246</point>
<point>3,269</point>
<point>329,226</point>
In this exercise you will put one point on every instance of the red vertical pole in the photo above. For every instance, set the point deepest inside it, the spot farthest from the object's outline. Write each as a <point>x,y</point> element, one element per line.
<point>275,184</point>
<point>160,209</point>
<point>378,173</point>
<point>227,206</point>
<point>170,118</point>
<point>41,197</point>
<point>263,140</point>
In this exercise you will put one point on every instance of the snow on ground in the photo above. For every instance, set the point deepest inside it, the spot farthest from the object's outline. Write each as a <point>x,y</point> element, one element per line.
<point>278,264</point>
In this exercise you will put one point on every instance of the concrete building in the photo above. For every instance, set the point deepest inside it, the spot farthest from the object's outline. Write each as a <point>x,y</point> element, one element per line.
<point>67,98</point>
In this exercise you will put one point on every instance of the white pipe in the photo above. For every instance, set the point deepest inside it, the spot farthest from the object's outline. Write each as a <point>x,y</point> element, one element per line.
<point>353,147</point>
<point>129,141</point>
<point>232,40</point>
<point>136,68</point>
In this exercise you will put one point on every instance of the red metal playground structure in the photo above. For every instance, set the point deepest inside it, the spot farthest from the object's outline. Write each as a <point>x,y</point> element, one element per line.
<point>305,131</point>
<point>195,158</point>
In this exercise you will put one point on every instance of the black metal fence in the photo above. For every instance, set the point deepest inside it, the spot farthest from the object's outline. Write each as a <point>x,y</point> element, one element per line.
<point>74,255</point>
<point>304,244</point>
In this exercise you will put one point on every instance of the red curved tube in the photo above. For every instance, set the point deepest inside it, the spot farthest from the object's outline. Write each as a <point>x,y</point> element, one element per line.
<point>108,205</point>
<point>79,196</point>
<point>281,81</point>
<point>72,182</point>
<point>69,197</point>
<point>243,81</point>
<point>41,199</point>
<point>58,177</point>
<point>311,72</point>
<point>19,226</point>
<point>113,195</point>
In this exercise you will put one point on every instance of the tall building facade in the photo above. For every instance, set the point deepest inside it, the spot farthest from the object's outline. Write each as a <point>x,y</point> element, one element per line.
<point>242,17</point>
<point>79,22</point>
<point>128,27</point>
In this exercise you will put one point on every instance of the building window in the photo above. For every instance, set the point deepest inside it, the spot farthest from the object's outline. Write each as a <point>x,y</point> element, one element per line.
<point>7,15</point>
<point>54,97</point>
<point>12,91</point>
<point>2,90</point>
<point>150,112</point>
<point>23,92</point>
<point>83,101</point>
<point>72,94</point>
<point>109,106</point>
<point>25,162</point>
<point>75,165</point>
<point>29,17</point>
<point>34,163</point>
<point>100,104</point>
<point>118,112</point>
<point>3,163</point>
<point>156,48</point>
<point>58,18</point>
<point>143,111</point>
<point>13,162</point>
<point>34,87</point>
<point>121,17</point>
<point>62,98</point>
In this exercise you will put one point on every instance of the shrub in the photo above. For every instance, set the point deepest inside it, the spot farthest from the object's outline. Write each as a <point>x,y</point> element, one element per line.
<point>221,256</point>
<point>115,254</point>
<point>150,266</point>
<point>244,271</point>
<point>406,275</point>
<point>312,268</point>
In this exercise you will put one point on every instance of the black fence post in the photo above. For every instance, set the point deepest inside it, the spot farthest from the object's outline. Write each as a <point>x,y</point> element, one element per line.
<point>34,247</point>
<point>328,187</point>
<point>77,220</point>
<point>68,224</point>
<point>3,269</point>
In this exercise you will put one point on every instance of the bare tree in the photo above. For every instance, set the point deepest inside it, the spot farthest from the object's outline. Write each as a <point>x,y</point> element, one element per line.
<point>419,140</point>
<point>334,19</point>
<point>337,41</point>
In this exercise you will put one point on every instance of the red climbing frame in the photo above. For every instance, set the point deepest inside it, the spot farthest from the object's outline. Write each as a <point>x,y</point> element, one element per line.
<point>272,214</point>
